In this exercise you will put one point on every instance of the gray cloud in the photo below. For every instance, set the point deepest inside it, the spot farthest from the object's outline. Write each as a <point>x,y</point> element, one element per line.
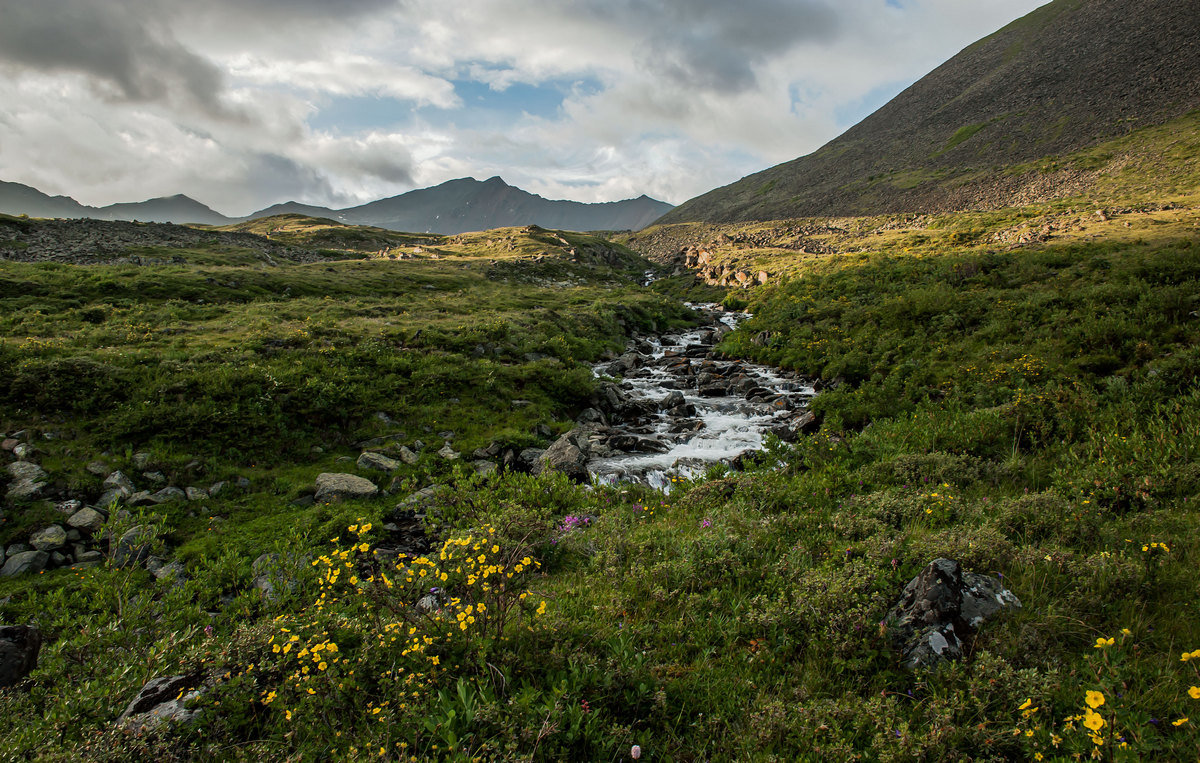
<point>715,44</point>
<point>127,53</point>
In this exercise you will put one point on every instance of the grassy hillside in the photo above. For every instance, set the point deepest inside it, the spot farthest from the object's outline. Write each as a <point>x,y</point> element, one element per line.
<point>1071,75</point>
<point>1016,390</point>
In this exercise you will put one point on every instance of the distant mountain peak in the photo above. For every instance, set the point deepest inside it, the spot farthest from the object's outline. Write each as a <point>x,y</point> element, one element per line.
<point>455,206</point>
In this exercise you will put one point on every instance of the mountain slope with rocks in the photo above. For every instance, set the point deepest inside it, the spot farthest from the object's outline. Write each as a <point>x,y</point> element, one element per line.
<point>1070,75</point>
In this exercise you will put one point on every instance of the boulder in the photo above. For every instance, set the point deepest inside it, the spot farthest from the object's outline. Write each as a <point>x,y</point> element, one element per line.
<point>568,454</point>
<point>49,538</point>
<point>26,562</point>
<point>377,462</point>
<point>161,700</point>
<point>333,487</point>
<point>19,646</point>
<point>448,453</point>
<point>940,609</point>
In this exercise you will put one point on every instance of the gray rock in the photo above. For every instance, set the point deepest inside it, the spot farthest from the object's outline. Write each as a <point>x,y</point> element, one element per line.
<point>332,487</point>
<point>217,488</point>
<point>160,701</point>
<point>243,483</point>
<point>484,467</point>
<point>24,451</point>
<point>97,468</point>
<point>87,520</point>
<point>118,481</point>
<point>172,572</point>
<point>940,609</point>
<point>141,498</point>
<point>25,490</point>
<point>134,546</point>
<point>27,562</point>
<point>141,460</point>
<point>58,559</point>
<point>19,646</point>
<point>407,456</point>
<point>196,494</point>
<point>157,478</point>
<point>88,557</point>
<point>377,462</point>
<point>73,535</point>
<point>422,499</point>
<point>568,454</point>
<point>49,538</point>
<point>448,453</point>
<point>17,548</point>
<point>169,494</point>
<point>529,457</point>
<point>111,496</point>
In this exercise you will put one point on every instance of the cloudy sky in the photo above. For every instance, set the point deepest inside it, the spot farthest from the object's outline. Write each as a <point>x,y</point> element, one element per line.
<point>245,103</point>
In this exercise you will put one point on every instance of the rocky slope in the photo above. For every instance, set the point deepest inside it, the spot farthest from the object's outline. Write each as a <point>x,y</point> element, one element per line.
<point>1070,75</point>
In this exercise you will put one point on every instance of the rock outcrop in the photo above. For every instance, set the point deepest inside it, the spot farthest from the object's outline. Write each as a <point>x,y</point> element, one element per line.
<point>940,609</point>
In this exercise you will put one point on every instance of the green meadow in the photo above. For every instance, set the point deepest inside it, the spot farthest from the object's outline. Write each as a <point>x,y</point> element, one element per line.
<point>1025,405</point>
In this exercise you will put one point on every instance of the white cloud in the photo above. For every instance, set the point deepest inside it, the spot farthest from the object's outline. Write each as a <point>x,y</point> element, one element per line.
<point>218,99</point>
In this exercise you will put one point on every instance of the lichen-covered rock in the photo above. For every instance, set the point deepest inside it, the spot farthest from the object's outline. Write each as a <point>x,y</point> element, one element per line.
<point>333,487</point>
<point>134,546</point>
<point>940,609</point>
<point>49,538</point>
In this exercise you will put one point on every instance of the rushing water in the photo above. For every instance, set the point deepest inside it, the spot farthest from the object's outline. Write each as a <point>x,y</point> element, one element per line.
<point>717,410</point>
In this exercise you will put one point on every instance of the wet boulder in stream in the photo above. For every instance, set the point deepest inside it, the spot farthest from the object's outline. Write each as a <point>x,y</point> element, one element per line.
<point>568,454</point>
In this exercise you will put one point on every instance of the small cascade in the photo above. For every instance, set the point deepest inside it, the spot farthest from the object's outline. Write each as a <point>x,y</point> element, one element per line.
<point>680,409</point>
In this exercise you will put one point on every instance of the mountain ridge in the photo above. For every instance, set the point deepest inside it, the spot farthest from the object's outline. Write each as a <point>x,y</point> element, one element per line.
<point>1067,76</point>
<point>456,206</point>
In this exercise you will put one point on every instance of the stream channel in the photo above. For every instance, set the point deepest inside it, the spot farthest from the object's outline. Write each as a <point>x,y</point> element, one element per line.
<point>679,408</point>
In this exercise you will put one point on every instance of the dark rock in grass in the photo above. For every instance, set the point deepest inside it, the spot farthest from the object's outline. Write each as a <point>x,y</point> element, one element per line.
<point>940,609</point>
<point>161,700</point>
<point>484,467</point>
<point>408,456</point>
<point>196,494</point>
<point>217,488</point>
<point>118,481</point>
<point>332,487</point>
<point>377,462</point>
<point>25,563</point>
<point>169,494</point>
<point>97,468</point>
<point>134,546</point>
<point>49,538</point>
<point>528,457</point>
<point>19,646</point>
<point>17,548</point>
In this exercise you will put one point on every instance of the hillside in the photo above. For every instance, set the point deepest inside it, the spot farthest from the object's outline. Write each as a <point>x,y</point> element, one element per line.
<point>1070,75</point>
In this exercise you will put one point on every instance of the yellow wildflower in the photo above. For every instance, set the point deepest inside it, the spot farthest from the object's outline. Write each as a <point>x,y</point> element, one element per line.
<point>1093,720</point>
<point>1194,692</point>
<point>1094,699</point>
<point>1104,643</point>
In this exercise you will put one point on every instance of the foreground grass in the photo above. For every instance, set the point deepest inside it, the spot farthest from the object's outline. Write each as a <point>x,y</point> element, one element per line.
<point>1032,413</point>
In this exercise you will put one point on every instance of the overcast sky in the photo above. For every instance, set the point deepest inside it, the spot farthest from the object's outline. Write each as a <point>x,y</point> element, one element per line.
<point>244,103</point>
